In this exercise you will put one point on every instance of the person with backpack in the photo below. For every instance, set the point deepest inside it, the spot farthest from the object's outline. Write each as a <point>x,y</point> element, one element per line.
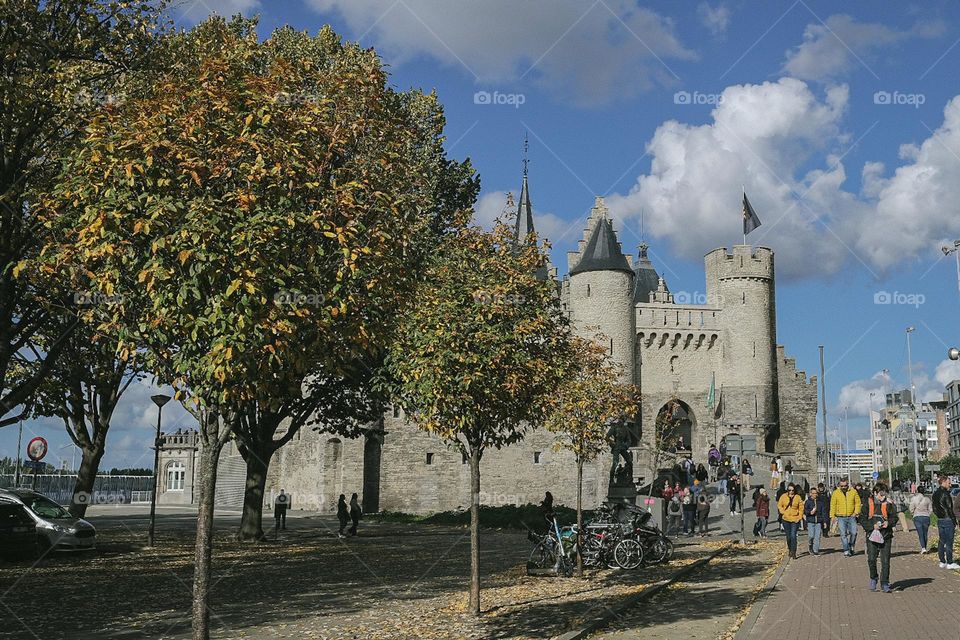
<point>762,504</point>
<point>713,461</point>
<point>946,523</point>
<point>790,507</point>
<point>703,513</point>
<point>879,517</point>
<point>674,514</point>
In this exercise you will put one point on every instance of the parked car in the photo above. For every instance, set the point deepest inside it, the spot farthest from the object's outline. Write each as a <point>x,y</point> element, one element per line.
<point>18,533</point>
<point>56,528</point>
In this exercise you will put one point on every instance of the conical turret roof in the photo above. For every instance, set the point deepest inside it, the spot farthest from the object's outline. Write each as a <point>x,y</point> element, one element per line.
<point>602,251</point>
<point>646,278</point>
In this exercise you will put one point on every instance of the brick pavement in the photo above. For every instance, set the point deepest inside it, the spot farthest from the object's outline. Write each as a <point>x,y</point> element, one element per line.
<point>827,597</point>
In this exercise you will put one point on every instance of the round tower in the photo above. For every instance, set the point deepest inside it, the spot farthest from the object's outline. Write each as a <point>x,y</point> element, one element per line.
<point>742,284</point>
<point>601,292</point>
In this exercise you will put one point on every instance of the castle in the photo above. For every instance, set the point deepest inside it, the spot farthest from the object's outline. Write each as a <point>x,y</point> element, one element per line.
<point>675,352</point>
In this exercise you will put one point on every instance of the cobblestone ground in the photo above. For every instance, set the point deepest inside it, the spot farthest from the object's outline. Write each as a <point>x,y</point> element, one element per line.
<point>392,581</point>
<point>827,596</point>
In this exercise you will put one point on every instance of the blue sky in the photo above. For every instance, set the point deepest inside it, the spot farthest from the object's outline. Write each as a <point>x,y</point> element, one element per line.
<point>841,121</point>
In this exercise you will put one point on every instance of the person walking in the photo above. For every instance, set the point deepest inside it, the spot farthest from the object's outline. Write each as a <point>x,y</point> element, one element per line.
<point>921,506</point>
<point>824,497</point>
<point>280,506</point>
<point>763,513</point>
<point>689,512</point>
<point>776,471</point>
<point>343,515</point>
<point>845,506</point>
<point>733,487</point>
<point>813,512</point>
<point>790,507</point>
<point>355,513</point>
<point>703,513</point>
<point>713,460</point>
<point>880,516</point>
<point>674,514</point>
<point>946,523</point>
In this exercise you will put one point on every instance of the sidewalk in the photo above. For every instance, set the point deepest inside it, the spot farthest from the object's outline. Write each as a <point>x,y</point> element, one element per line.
<point>827,597</point>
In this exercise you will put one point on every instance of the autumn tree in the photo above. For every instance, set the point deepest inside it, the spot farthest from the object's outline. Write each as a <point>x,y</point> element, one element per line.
<point>478,352</point>
<point>61,62</point>
<point>263,196</point>
<point>589,399</point>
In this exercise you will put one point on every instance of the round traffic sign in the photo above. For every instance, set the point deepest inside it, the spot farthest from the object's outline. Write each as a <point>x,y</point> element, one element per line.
<point>36,449</point>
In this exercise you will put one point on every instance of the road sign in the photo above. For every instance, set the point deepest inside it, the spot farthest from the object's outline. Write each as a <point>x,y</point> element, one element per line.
<point>34,464</point>
<point>876,475</point>
<point>37,448</point>
<point>931,467</point>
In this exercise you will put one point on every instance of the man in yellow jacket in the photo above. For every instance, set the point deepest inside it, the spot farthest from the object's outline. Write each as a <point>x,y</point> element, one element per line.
<point>790,506</point>
<point>845,507</point>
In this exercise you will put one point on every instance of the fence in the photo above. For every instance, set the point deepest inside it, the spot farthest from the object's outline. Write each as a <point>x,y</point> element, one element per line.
<point>107,489</point>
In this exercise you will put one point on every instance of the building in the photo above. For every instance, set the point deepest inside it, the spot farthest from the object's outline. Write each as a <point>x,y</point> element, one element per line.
<point>674,350</point>
<point>952,397</point>
<point>857,464</point>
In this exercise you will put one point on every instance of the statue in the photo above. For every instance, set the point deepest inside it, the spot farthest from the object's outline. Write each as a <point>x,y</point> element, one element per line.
<point>621,475</point>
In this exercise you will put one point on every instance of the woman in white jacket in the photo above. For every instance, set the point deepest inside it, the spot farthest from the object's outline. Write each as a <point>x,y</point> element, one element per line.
<point>921,507</point>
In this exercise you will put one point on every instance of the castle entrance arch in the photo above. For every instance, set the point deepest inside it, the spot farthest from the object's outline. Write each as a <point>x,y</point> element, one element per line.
<point>675,424</point>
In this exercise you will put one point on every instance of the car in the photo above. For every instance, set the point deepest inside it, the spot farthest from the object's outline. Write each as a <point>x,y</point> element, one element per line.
<point>56,528</point>
<point>18,533</point>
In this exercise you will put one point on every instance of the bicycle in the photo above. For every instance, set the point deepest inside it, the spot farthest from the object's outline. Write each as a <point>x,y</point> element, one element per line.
<point>550,551</point>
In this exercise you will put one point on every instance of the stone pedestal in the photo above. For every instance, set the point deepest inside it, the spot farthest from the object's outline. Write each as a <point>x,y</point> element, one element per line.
<point>623,495</point>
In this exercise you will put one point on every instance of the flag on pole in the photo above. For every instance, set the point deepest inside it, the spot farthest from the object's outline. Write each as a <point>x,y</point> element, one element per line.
<point>711,396</point>
<point>718,412</point>
<point>750,219</point>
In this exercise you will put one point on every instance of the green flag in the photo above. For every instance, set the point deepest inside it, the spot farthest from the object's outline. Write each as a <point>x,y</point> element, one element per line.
<point>712,396</point>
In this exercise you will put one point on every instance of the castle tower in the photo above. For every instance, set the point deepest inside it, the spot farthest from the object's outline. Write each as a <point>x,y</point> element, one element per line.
<point>523,228</point>
<point>601,291</point>
<point>742,284</point>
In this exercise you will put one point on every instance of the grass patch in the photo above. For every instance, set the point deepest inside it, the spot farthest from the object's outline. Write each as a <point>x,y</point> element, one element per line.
<point>522,517</point>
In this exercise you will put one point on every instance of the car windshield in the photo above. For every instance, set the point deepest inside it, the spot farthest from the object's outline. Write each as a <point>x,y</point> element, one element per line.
<point>46,508</point>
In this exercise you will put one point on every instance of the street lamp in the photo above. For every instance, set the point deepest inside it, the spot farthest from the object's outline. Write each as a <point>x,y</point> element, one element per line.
<point>956,250</point>
<point>913,408</point>
<point>158,400</point>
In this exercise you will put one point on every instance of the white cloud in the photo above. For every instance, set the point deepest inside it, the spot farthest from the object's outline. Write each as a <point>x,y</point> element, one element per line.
<point>855,396</point>
<point>194,11</point>
<point>716,19</point>
<point>760,137</point>
<point>838,45</point>
<point>588,54</point>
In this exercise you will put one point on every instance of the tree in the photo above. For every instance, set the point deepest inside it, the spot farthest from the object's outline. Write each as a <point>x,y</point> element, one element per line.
<point>61,62</point>
<point>588,400</point>
<point>478,351</point>
<point>86,384</point>
<point>263,196</point>
<point>949,465</point>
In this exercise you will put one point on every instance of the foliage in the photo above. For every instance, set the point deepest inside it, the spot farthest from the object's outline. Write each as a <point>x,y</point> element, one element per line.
<point>62,62</point>
<point>588,400</point>
<point>521,517</point>
<point>478,351</point>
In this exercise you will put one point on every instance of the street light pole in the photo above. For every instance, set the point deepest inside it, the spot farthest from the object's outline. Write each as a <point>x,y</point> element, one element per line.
<point>158,400</point>
<point>886,430</point>
<point>913,408</point>
<point>823,407</point>
<point>16,476</point>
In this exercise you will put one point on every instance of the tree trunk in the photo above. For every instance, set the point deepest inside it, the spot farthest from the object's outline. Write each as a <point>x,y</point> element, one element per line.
<point>579,513</point>
<point>203,547</point>
<point>86,475</point>
<point>251,521</point>
<point>475,530</point>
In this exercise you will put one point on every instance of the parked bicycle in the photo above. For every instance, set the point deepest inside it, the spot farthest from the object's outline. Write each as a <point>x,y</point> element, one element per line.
<point>554,550</point>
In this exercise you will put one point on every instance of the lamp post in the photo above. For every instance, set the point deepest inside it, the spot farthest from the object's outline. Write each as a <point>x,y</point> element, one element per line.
<point>913,408</point>
<point>158,400</point>
<point>955,249</point>
<point>16,475</point>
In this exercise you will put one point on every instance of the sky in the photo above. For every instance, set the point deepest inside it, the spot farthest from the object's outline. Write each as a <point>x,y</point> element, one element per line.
<point>840,121</point>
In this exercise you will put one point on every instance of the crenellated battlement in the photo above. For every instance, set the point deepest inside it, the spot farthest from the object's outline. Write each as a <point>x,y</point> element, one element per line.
<point>744,262</point>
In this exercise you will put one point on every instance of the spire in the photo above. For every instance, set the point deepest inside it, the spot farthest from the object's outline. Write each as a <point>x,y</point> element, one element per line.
<point>602,251</point>
<point>524,224</point>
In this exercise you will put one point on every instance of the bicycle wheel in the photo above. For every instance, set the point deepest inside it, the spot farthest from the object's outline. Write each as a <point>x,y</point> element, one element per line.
<point>628,554</point>
<point>544,555</point>
<point>657,550</point>
<point>592,552</point>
